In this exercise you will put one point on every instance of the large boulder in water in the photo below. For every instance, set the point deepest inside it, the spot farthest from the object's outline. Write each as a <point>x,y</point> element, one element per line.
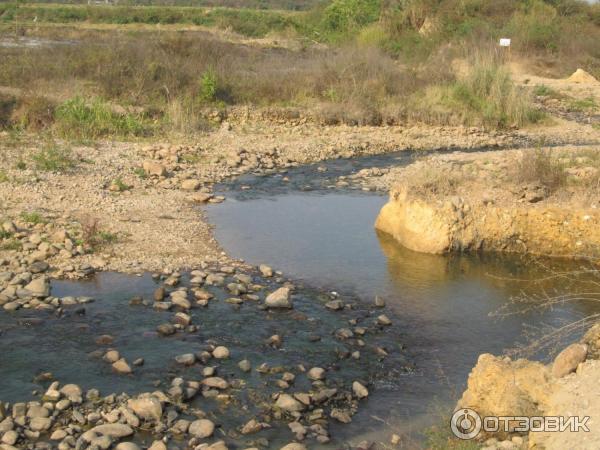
<point>279,299</point>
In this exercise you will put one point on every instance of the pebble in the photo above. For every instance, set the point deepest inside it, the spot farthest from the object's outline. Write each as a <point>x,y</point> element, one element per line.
<point>166,329</point>
<point>359,390</point>
<point>265,271</point>
<point>383,320</point>
<point>221,352</point>
<point>288,403</point>
<point>245,365</point>
<point>202,428</point>
<point>121,366</point>
<point>316,373</point>
<point>148,408</point>
<point>127,446</point>
<point>187,359</point>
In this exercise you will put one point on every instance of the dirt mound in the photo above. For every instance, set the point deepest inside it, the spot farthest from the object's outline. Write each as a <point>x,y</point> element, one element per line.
<point>581,76</point>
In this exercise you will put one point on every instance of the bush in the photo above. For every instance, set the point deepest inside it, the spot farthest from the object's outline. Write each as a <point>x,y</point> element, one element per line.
<point>79,119</point>
<point>7,105</point>
<point>537,27</point>
<point>34,113</point>
<point>208,86</point>
<point>347,16</point>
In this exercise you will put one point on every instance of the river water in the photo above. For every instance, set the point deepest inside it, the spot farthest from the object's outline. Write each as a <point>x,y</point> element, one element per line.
<point>448,308</point>
<point>323,239</point>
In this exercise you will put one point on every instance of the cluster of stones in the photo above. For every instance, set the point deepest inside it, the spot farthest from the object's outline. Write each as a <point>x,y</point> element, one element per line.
<point>67,419</point>
<point>172,167</point>
<point>31,290</point>
<point>32,245</point>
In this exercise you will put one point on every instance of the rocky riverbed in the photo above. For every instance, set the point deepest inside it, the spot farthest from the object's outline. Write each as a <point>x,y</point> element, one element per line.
<point>234,356</point>
<point>311,363</point>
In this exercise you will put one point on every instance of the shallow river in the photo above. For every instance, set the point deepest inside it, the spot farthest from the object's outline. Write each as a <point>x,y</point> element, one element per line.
<point>446,306</point>
<point>324,240</point>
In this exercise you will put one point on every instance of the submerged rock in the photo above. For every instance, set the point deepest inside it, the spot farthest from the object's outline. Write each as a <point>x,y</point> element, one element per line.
<point>288,403</point>
<point>221,352</point>
<point>121,366</point>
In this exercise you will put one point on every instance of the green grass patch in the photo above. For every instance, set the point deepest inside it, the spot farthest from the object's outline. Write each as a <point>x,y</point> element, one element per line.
<point>541,90</point>
<point>11,244</point>
<point>33,217</point>
<point>54,158</point>
<point>3,177</point>
<point>248,22</point>
<point>582,105</point>
<point>5,234</point>
<point>105,238</point>
<point>120,184</point>
<point>141,173</point>
<point>81,119</point>
<point>440,437</point>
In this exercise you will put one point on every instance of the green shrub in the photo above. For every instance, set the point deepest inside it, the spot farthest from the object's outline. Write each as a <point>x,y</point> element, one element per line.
<point>544,91</point>
<point>346,16</point>
<point>208,86</point>
<point>11,244</point>
<point>536,27</point>
<point>582,104</point>
<point>80,119</point>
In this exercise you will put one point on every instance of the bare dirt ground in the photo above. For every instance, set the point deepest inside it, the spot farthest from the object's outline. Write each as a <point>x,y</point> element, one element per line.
<point>154,219</point>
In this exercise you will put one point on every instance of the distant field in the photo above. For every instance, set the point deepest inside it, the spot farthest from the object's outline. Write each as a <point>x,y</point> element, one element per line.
<point>247,22</point>
<point>294,5</point>
<point>352,61</point>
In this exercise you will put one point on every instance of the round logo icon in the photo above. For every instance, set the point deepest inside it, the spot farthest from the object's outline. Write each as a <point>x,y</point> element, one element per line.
<point>465,424</point>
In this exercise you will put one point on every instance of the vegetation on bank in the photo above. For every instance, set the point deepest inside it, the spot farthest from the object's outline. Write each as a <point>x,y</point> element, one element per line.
<point>386,61</point>
<point>411,28</point>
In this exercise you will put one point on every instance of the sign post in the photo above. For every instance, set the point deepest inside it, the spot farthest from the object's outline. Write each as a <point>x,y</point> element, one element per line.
<point>505,48</point>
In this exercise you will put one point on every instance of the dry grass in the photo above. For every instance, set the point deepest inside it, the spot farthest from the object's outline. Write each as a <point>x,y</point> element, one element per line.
<point>486,96</point>
<point>540,166</point>
<point>429,179</point>
<point>174,76</point>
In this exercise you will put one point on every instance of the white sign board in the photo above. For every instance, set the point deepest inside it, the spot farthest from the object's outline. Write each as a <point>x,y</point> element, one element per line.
<point>504,42</point>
